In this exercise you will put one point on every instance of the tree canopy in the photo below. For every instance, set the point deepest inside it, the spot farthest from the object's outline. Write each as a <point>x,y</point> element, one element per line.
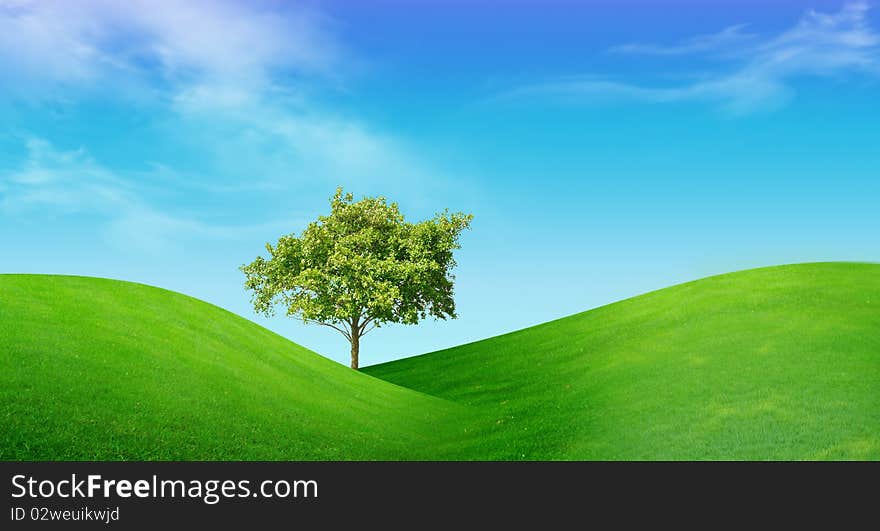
<point>360,267</point>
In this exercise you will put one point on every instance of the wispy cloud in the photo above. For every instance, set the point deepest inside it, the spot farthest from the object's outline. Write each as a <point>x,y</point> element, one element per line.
<point>211,62</point>
<point>763,73</point>
<point>73,183</point>
<point>91,42</point>
<point>234,82</point>
<point>721,41</point>
<point>68,182</point>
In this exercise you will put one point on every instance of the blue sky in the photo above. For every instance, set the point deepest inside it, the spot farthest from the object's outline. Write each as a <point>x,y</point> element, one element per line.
<point>606,148</point>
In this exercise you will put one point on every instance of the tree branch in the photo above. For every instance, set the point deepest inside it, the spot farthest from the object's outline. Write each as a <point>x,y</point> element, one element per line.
<point>364,325</point>
<point>368,330</point>
<point>342,331</point>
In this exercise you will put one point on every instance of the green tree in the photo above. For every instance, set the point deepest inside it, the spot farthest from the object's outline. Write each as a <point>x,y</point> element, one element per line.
<point>359,268</point>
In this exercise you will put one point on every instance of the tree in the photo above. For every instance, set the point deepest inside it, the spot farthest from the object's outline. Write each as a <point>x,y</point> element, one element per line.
<point>359,268</point>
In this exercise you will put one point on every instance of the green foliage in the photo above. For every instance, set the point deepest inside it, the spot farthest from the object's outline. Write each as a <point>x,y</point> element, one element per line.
<point>360,267</point>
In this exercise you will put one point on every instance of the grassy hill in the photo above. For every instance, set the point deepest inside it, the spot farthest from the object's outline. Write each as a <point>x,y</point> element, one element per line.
<point>776,363</point>
<point>102,369</point>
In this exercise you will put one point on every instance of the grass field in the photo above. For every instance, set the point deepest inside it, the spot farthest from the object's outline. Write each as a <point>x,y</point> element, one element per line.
<point>101,369</point>
<point>775,363</point>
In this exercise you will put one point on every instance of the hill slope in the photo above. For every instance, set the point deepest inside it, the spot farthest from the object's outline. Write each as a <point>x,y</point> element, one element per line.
<point>102,369</point>
<point>775,363</point>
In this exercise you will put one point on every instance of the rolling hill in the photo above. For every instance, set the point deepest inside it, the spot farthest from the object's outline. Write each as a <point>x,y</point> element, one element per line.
<point>774,363</point>
<point>94,369</point>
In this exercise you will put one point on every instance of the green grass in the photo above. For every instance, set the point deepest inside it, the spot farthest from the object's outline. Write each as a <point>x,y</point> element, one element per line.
<point>108,370</point>
<point>776,363</point>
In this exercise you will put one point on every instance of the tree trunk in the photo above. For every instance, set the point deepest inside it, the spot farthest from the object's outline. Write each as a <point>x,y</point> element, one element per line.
<point>355,349</point>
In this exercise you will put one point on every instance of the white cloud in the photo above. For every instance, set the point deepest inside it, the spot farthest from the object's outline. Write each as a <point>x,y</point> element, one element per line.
<point>314,149</point>
<point>232,81</point>
<point>72,183</point>
<point>68,182</point>
<point>819,45</point>
<point>93,42</point>
<point>723,40</point>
